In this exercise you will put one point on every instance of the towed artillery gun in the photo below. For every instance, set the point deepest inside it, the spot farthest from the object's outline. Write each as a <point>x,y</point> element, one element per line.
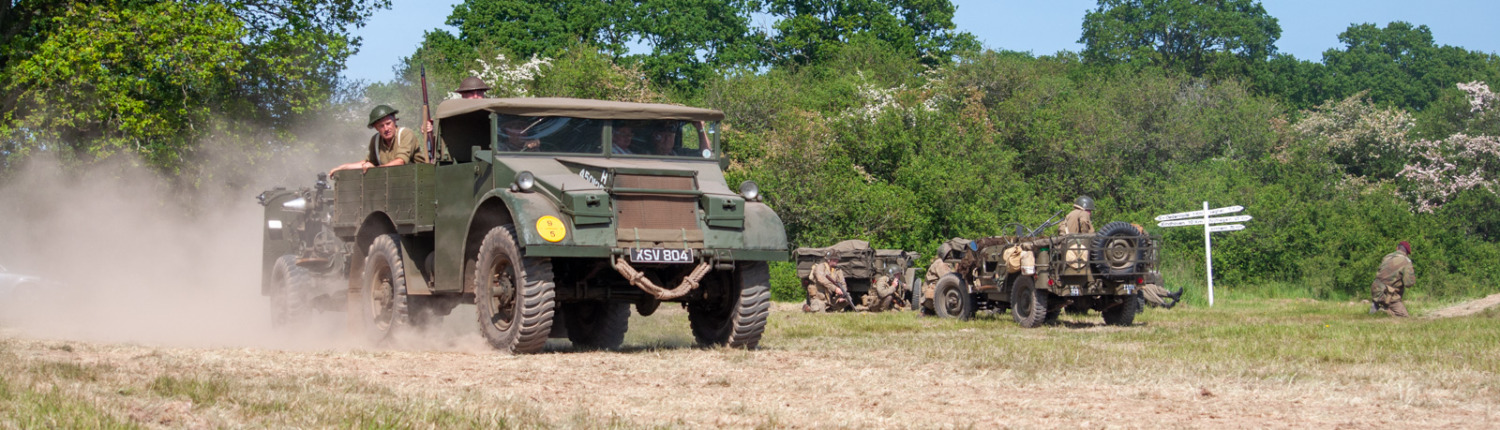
<point>861,264</point>
<point>554,216</point>
<point>1037,278</point>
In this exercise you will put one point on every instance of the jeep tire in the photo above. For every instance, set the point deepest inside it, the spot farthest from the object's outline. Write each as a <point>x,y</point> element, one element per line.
<point>1028,304</point>
<point>951,300</point>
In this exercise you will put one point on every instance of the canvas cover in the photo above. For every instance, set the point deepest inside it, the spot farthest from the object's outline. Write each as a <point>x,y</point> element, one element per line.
<point>854,259</point>
<point>576,108</point>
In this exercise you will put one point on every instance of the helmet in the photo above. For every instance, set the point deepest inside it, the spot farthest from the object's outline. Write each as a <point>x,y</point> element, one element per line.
<point>379,112</point>
<point>830,255</point>
<point>472,84</point>
<point>1084,202</point>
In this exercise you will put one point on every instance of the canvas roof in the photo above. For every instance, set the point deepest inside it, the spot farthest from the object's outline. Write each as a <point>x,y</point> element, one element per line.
<point>577,108</point>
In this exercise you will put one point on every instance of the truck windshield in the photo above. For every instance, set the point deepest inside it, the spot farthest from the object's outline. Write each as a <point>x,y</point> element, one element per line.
<point>648,138</point>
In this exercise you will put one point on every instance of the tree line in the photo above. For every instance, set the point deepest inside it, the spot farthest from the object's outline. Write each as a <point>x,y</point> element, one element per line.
<point>906,130</point>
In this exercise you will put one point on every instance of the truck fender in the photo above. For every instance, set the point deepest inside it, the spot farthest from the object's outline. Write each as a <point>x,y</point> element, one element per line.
<point>520,210</point>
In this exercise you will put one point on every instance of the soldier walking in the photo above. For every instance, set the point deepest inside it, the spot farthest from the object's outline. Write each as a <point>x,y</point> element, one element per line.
<point>826,291</point>
<point>1391,281</point>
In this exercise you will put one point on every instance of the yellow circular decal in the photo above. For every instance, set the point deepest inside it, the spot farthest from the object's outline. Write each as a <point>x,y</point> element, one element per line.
<point>551,228</point>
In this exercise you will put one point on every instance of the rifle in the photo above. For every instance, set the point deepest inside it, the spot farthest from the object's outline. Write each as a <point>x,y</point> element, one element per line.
<point>1045,224</point>
<point>427,118</point>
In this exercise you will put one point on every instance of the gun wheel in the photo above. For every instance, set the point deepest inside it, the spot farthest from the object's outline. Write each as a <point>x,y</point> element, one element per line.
<point>289,292</point>
<point>514,294</point>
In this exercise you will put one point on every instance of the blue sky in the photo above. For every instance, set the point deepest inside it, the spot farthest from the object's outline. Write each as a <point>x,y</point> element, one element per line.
<point>1308,27</point>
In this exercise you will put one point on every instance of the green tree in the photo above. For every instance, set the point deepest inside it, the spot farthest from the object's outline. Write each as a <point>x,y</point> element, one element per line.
<point>89,80</point>
<point>808,31</point>
<point>688,39</point>
<point>1400,65</point>
<point>1218,38</point>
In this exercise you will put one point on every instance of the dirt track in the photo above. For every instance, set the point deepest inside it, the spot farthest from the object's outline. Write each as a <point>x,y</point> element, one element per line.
<point>668,383</point>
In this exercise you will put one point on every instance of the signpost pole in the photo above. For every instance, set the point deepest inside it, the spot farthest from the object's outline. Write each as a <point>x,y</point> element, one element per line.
<point>1208,255</point>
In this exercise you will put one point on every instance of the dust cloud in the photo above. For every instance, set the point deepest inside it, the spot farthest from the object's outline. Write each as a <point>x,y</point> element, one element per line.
<point>129,255</point>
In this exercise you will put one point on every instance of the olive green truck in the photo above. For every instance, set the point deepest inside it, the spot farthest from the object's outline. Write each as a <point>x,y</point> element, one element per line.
<point>554,216</point>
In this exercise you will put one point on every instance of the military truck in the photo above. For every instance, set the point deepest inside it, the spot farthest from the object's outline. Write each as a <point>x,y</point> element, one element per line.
<point>860,263</point>
<point>555,216</point>
<point>1075,273</point>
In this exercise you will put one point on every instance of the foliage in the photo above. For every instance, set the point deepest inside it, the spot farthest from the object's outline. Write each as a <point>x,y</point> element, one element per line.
<point>1213,38</point>
<point>807,31</point>
<point>154,79</point>
<point>1400,65</point>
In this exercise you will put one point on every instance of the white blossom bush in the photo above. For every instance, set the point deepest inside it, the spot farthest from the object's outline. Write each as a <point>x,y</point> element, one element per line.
<point>508,78</point>
<point>1440,169</point>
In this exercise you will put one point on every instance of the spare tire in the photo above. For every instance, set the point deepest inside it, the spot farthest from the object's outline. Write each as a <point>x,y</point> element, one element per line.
<point>1118,251</point>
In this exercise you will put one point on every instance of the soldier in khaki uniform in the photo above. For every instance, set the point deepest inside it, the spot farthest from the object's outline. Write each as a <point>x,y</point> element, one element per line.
<point>825,289</point>
<point>1392,280</point>
<point>1156,295</point>
<point>391,145</point>
<point>935,271</point>
<point>883,290</point>
<point>1078,221</point>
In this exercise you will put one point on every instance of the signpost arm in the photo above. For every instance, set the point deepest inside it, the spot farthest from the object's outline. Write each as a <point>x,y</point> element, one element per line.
<point>1208,255</point>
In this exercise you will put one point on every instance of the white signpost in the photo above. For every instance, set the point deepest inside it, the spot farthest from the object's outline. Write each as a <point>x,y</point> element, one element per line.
<point>1203,218</point>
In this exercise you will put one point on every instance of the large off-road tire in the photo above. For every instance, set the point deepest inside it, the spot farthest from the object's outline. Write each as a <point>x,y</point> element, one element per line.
<point>383,300</point>
<point>739,320</point>
<point>951,300</point>
<point>291,290</point>
<point>1028,304</point>
<point>514,294</point>
<point>1119,251</point>
<point>596,325</point>
<point>1123,314</point>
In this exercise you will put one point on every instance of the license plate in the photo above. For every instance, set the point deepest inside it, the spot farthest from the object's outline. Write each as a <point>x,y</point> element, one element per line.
<point>660,255</point>
<point>1129,288</point>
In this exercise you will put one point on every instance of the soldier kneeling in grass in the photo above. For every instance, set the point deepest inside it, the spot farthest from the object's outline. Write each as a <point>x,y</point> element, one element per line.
<point>883,292</point>
<point>1391,281</point>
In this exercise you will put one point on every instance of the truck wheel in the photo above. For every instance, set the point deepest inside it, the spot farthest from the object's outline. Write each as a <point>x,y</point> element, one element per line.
<point>1123,314</point>
<point>951,301</point>
<point>1118,251</point>
<point>385,307</point>
<point>290,286</point>
<point>740,320</point>
<point>514,294</point>
<point>596,325</point>
<point>1028,304</point>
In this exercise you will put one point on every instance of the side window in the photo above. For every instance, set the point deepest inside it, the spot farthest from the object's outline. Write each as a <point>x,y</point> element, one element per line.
<point>549,134</point>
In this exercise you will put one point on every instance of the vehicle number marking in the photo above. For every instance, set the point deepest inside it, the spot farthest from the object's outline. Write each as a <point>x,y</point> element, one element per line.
<point>551,228</point>
<point>661,255</point>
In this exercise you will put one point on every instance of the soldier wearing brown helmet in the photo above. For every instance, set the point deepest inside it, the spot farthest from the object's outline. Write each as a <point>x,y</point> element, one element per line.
<point>1391,281</point>
<point>1078,221</point>
<point>825,289</point>
<point>391,145</point>
<point>470,88</point>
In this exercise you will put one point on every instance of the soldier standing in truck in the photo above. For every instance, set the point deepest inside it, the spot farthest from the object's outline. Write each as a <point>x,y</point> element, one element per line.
<point>392,145</point>
<point>826,291</point>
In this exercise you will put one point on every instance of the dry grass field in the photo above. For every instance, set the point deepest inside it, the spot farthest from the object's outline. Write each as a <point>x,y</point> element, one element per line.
<point>1242,364</point>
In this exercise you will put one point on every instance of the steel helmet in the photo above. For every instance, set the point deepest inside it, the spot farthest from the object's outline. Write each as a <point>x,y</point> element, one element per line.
<point>1085,202</point>
<point>472,84</point>
<point>379,112</point>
